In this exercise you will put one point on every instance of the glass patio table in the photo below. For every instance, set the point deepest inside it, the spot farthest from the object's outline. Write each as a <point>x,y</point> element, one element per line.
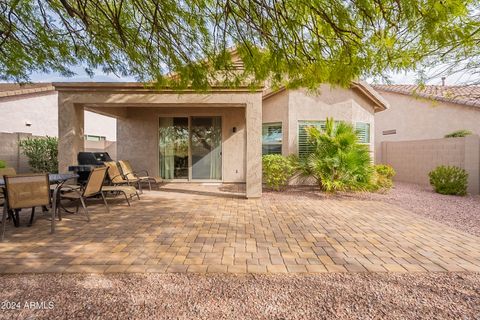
<point>54,178</point>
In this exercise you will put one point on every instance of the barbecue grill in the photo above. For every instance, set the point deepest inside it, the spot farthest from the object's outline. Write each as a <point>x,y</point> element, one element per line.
<point>86,162</point>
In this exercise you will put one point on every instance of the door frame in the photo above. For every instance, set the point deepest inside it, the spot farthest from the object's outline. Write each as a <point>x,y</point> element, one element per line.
<point>189,117</point>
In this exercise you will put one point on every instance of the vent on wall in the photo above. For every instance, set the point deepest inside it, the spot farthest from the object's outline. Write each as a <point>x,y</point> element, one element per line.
<point>387,132</point>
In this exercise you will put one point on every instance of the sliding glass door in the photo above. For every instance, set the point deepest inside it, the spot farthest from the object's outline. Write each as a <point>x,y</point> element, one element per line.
<point>173,148</point>
<point>191,148</point>
<point>206,146</point>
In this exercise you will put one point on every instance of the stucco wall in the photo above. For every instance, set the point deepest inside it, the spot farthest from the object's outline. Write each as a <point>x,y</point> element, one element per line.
<point>138,137</point>
<point>275,109</point>
<point>11,153</point>
<point>292,106</point>
<point>40,110</point>
<point>416,119</point>
<point>99,125</point>
<point>413,160</point>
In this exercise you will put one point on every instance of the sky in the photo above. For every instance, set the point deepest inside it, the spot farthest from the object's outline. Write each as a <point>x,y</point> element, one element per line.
<point>82,76</point>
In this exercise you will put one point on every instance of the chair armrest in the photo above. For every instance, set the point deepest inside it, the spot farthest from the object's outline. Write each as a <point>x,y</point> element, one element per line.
<point>145,171</point>
<point>71,188</point>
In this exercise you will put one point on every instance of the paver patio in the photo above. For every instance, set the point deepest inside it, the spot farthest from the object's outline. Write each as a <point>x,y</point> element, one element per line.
<point>187,229</point>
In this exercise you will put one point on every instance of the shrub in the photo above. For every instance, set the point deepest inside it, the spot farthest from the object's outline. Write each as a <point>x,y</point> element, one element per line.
<point>42,153</point>
<point>383,175</point>
<point>458,134</point>
<point>277,169</point>
<point>3,164</point>
<point>338,162</point>
<point>449,180</point>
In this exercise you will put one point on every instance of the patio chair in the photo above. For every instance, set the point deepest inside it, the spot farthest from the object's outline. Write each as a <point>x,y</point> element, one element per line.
<point>116,177</point>
<point>92,188</point>
<point>6,172</point>
<point>129,173</point>
<point>127,191</point>
<point>24,191</point>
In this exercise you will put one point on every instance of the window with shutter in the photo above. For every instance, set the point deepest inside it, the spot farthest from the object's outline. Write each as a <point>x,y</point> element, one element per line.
<point>272,138</point>
<point>363,132</point>
<point>304,147</point>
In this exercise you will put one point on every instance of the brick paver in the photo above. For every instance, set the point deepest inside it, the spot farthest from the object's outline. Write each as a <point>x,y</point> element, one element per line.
<point>189,230</point>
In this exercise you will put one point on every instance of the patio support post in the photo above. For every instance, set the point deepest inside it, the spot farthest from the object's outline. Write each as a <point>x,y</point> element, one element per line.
<point>253,113</point>
<point>70,131</point>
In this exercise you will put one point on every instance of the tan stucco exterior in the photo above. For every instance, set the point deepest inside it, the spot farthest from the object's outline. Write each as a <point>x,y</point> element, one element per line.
<point>419,119</point>
<point>37,113</point>
<point>291,106</point>
<point>138,137</point>
<point>138,109</point>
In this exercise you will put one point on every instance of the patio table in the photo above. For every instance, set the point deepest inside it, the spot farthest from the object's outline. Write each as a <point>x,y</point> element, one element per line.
<point>54,178</point>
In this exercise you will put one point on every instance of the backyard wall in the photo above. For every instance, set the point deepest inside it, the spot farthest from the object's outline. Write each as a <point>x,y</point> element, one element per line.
<point>413,160</point>
<point>412,118</point>
<point>11,153</point>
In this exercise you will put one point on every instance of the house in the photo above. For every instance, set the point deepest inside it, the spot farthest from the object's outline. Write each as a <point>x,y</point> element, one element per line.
<point>429,112</point>
<point>287,112</point>
<point>32,109</point>
<point>410,134</point>
<point>213,136</point>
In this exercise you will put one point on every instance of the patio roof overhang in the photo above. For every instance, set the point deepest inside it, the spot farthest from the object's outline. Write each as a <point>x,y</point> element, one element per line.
<point>113,99</point>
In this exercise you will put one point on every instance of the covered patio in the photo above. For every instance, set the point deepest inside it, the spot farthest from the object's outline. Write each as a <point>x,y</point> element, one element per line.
<point>139,111</point>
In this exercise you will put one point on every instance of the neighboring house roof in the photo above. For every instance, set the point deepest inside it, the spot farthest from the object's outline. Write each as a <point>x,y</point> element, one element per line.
<point>380,103</point>
<point>14,89</point>
<point>465,95</point>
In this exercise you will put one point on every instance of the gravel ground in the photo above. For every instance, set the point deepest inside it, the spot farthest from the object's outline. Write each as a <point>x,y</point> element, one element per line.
<point>190,296</point>
<point>462,213</point>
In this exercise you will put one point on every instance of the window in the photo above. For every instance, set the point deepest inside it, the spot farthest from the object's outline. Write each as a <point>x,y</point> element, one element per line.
<point>304,147</point>
<point>94,138</point>
<point>363,132</point>
<point>272,138</point>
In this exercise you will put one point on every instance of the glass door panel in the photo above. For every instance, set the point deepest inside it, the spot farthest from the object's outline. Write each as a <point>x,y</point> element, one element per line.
<point>173,134</point>
<point>206,147</point>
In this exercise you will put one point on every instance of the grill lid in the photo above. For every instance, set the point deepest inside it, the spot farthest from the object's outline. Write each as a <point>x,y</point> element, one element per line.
<point>93,158</point>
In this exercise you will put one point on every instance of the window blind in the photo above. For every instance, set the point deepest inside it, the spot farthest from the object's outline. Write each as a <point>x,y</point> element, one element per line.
<point>304,147</point>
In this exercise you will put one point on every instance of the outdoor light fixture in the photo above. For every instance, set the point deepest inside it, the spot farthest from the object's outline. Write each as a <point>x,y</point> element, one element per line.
<point>28,123</point>
<point>234,129</point>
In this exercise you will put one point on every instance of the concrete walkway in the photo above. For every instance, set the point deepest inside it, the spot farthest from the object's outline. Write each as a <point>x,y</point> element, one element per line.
<point>180,229</point>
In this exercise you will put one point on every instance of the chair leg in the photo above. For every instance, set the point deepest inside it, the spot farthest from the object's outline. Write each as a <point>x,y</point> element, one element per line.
<point>126,198</point>
<point>11,216</point>
<point>105,201</point>
<point>4,221</point>
<point>16,218</point>
<point>85,208</point>
<point>149,184</point>
<point>31,217</point>
<point>138,196</point>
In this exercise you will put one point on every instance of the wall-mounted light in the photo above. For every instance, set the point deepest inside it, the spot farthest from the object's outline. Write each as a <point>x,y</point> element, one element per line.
<point>234,129</point>
<point>28,123</point>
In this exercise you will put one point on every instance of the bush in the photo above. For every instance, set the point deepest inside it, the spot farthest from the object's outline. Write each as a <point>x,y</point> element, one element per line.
<point>383,175</point>
<point>458,134</point>
<point>42,153</point>
<point>449,180</point>
<point>3,164</point>
<point>338,162</point>
<point>277,169</point>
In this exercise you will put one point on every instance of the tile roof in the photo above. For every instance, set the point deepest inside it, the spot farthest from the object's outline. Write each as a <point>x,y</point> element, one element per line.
<point>14,89</point>
<point>466,95</point>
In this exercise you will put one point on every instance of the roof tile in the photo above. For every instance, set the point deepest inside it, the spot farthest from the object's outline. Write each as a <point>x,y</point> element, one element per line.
<point>466,95</point>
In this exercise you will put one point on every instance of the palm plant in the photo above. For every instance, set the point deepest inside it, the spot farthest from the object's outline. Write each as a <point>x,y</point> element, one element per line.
<point>338,162</point>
